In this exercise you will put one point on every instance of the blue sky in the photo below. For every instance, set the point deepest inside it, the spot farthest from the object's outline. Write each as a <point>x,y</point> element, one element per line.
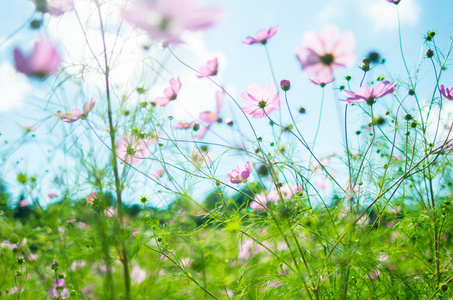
<point>373,22</point>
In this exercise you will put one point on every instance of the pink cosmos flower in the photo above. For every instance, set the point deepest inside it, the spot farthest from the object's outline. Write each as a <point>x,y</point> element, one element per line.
<point>51,195</point>
<point>209,117</point>
<point>43,61</point>
<point>260,102</point>
<point>27,128</point>
<point>447,93</point>
<point>59,283</point>
<point>138,275</point>
<point>374,274</point>
<point>170,93</point>
<point>262,36</point>
<point>181,125</point>
<point>91,197</point>
<point>167,19</point>
<point>186,262</point>
<point>75,114</point>
<point>210,69</point>
<point>200,159</point>
<point>132,149</point>
<point>23,203</point>
<point>322,54</point>
<point>54,7</point>
<point>260,202</point>
<point>289,190</point>
<point>158,174</point>
<point>241,173</point>
<point>322,83</point>
<point>369,94</point>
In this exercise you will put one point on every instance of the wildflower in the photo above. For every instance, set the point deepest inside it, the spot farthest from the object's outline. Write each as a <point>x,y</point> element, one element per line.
<point>369,94</point>
<point>138,275</point>
<point>394,1</point>
<point>262,36</point>
<point>43,61</point>
<point>374,274</point>
<point>170,93</point>
<point>209,117</point>
<point>200,159</point>
<point>75,114</point>
<point>27,128</point>
<point>320,82</point>
<point>59,283</point>
<point>241,173</point>
<point>181,125</point>
<point>260,202</point>
<point>288,190</point>
<point>167,19</point>
<point>51,195</point>
<point>131,149</point>
<point>54,7</point>
<point>210,69</point>
<point>322,54</point>
<point>91,197</point>
<point>447,93</point>
<point>158,174</point>
<point>186,262</point>
<point>260,102</point>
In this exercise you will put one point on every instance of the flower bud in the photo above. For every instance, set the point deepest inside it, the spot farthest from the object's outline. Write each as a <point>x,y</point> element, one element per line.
<point>365,64</point>
<point>285,85</point>
<point>429,53</point>
<point>54,266</point>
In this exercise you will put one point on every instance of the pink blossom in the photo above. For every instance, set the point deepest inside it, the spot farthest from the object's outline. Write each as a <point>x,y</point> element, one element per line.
<point>132,149</point>
<point>59,283</point>
<point>43,61</point>
<point>23,203</point>
<point>158,174</point>
<point>170,93</point>
<point>288,190</point>
<point>91,197</point>
<point>186,262</point>
<point>55,294</point>
<point>260,102</point>
<point>320,82</point>
<point>241,173</point>
<point>447,93</point>
<point>181,125</point>
<point>374,274</point>
<point>167,19</point>
<point>77,264</point>
<point>138,275</point>
<point>51,195</point>
<point>32,257</point>
<point>54,7</point>
<point>369,94</point>
<point>27,128</point>
<point>260,202</point>
<point>200,159</point>
<point>209,117</point>
<point>210,69</point>
<point>75,114</point>
<point>394,1</point>
<point>262,36</point>
<point>321,54</point>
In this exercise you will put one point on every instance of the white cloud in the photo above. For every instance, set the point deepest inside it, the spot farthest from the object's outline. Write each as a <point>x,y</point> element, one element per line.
<point>382,14</point>
<point>379,14</point>
<point>14,87</point>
